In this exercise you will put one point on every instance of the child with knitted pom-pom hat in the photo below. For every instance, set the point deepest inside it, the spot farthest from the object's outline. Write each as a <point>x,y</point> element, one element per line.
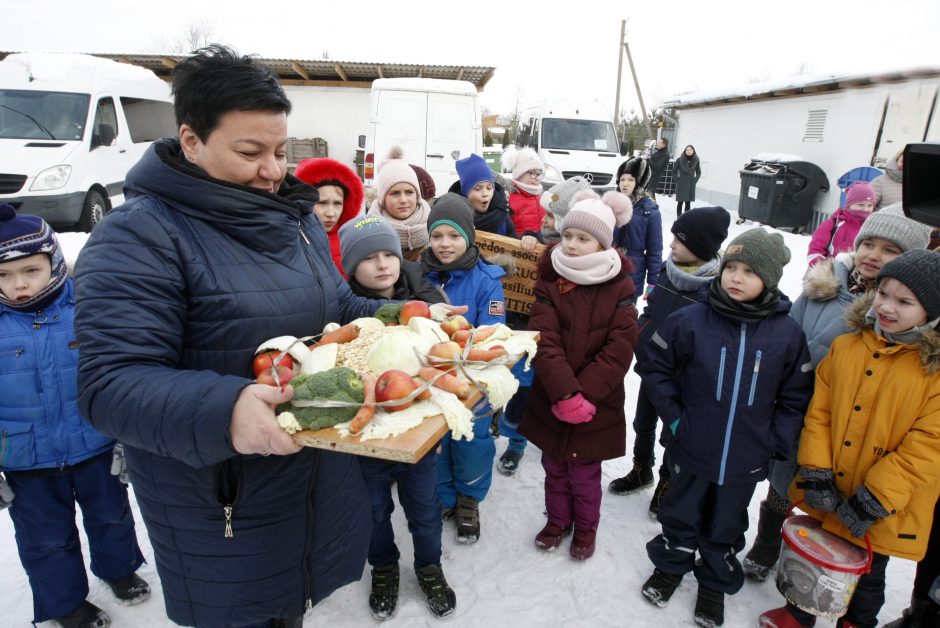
<point>585,312</point>
<point>399,202</point>
<point>527,172</point>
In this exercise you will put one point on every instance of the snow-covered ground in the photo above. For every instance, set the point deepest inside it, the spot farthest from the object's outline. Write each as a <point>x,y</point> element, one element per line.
<point>503,579</point>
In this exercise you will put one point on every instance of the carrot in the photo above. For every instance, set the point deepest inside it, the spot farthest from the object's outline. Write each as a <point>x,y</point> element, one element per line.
<point>367,410</point>
<point>424,394</point>
<point>480,334</point>
<point>461,337</point>
<point>345,333</point>
<point>450,383</point>
<point>485,355</point>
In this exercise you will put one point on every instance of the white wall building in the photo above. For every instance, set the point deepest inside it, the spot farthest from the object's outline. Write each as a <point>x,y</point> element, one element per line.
<point>836,122</point>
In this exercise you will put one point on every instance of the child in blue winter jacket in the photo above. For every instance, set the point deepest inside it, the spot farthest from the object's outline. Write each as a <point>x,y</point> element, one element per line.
<point>732,379</point>
<point>51,457</point>
<point>692,263</point>
<point>453,262</point>
<point>641,240</point>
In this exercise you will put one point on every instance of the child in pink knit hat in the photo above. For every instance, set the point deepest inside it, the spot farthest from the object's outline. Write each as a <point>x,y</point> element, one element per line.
<point>399,202</point>
<point>584,310</point>
<point>837,233</point>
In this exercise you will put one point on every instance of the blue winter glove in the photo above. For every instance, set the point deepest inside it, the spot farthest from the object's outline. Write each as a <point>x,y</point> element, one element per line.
<point>860,511</point>
<point>820,489</point>
<point>119,464</point>
<point>6,493</point>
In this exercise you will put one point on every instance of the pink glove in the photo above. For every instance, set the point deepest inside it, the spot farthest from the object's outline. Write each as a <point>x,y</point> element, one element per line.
<point>574,410</point>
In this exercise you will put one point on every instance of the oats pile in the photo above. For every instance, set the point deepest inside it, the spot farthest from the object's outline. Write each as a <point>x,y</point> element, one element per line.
<point>353,354</point>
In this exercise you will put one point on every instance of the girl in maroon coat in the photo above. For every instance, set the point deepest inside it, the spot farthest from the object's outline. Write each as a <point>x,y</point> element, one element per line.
<point>585,314</point>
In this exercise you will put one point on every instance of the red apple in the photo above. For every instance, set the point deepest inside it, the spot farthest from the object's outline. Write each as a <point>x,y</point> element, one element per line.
<point>413,308</point>
<point>284,375</point>
<point>264,361</point>
<point>394,384</point>
<point>444,351</point>
<point>454,324</point>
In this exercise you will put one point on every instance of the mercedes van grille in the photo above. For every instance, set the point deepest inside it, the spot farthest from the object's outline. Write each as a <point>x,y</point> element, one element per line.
<point>11,183</point>
<point>598,178</point>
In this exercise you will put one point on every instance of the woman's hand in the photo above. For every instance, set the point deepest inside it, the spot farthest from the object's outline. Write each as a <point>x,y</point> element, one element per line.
<point>254,428</point>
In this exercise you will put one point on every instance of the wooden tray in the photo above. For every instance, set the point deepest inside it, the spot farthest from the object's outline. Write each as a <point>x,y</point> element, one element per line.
<point>408,446</point>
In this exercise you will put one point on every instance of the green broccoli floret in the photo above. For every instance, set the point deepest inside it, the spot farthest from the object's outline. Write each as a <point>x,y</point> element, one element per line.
<point>388,313</point>
<point>337,384</point>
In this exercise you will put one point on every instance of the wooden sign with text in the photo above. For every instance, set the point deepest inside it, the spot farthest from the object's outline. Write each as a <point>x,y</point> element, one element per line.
<point>519,288</point>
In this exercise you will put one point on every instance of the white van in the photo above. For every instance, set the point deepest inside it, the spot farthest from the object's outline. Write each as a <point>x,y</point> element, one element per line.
<point>434,121</point>
<point>71,126</point>
<point>573,139</point>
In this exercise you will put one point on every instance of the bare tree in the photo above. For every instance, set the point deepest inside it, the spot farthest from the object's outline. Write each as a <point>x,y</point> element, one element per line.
<point>195,35</point>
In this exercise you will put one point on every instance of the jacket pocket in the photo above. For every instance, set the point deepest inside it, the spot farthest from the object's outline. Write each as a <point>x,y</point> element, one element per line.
<point>228,486</point>
<point>721,372</point>
<point>750,397</point>
<point>17,445</point>
<point>94,439</point>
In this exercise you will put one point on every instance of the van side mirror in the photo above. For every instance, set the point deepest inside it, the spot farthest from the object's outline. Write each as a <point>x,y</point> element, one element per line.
<point>103,136</point>
<point>362,141</point>
<point>624,148</point>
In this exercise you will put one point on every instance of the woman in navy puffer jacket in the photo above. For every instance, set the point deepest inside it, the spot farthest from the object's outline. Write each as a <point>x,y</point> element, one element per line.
<point>214,252</point>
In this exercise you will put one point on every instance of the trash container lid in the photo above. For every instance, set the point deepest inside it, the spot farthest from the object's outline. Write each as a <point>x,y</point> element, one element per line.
<point>804,534</point>
<point>777,158</point>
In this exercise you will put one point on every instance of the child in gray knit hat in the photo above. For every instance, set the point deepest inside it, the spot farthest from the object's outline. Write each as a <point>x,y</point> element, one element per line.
<point>731,378</point>
<point>869,453</point>
<point>556,201</point>
<point>829,289</point>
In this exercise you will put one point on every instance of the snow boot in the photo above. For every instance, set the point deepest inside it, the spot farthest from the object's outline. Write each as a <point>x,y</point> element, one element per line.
<point>383,600</point>
<point>509,462</point>
<point>467,515</point>
<point>442,601</point>
<point>923,612</point>
<point>709,608</point>
<point>550,537</point>
<point>131,590</point>
<point>87,615</point>
<point>660,587</point>
<point>582,543</point>
<point>766,549</point>
<point>639,477</point>
<point>662,488</point>
<point>778,618</point>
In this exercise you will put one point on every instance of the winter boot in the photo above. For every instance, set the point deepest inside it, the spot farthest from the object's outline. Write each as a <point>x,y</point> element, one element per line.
<point>550,537</point>
<point>383,600</point>
<point>778,618</point>
<point>922,613</point>
<point>130,590</point>
<point>467,515</point>
<point>766,549</point>
<point>442,601</point>
<point>709,608</point>
<point>662,488</point>
<point>509,462</point>
<point>582,543</point>
<point>87,615</point>
<point>660,587</point>
<point>640,477</point>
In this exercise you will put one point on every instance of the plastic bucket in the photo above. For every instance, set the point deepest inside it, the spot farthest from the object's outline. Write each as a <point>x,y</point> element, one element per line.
<point>818,570</point>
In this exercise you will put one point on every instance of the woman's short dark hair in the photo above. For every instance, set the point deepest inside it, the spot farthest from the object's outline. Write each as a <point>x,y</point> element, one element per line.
<point>215,80</point>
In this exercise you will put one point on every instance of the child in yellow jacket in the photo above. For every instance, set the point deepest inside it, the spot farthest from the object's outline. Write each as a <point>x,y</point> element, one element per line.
<point>869,453</point>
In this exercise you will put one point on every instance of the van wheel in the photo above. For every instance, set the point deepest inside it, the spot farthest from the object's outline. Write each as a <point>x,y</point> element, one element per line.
<point>93,210</point>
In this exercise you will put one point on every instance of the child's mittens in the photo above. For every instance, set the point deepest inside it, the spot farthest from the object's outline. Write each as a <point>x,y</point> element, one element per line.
<point>6,493</point>
<point>820,489</point>
<point>860,511</point>
<point>576,409</point>
<point>119,464</point>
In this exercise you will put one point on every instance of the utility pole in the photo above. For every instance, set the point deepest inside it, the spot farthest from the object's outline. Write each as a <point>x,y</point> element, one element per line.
<point>636,82</point>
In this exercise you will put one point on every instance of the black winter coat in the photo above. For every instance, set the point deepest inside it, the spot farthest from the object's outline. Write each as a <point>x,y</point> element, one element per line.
<point>176,289</point>
<point>658,161</point>
<point>686,172</point>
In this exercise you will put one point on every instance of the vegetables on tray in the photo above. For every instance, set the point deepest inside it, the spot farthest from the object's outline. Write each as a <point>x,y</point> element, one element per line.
<point>447,382</point>
<point>388,313</point>
<point>337,384</point>
<point>346,333</point>
<point>366,412</point>
<point>393,385</point>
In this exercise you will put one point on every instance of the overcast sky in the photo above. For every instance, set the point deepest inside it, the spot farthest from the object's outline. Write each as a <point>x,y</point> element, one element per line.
<point>539,50</point>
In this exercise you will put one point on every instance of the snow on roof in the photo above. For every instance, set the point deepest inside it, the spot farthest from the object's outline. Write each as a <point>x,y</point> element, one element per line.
<point>797,85</point>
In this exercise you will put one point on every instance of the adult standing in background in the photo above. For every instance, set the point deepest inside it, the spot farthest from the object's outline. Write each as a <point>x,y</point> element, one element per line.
<point>687,171</point>
<point>659,159</point>
<point>888,185</point>
<point>216,250</point>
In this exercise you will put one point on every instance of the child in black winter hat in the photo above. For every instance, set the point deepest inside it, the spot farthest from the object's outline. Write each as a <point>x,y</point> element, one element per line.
<point>692,263</point>
<point>641,240</point>
<point>731,378</point>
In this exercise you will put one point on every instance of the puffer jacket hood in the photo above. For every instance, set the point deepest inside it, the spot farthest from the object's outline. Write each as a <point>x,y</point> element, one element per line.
<point>928,345</point>
<point>821,282</point>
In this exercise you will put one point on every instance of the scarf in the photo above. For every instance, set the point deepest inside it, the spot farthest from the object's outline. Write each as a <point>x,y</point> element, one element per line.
<point>857,284</point>
<point>466,261</point>
<point>747,312</point>
<point>490,220</point>
<point>534,190</point>
<point>687,164</point>
<point>691,278</point>
<point>413,230</point>
<point>909,337</point>
<point>587,270</point>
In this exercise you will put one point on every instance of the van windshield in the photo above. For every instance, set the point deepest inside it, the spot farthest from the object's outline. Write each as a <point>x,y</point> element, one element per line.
<point>570,134</point>
<point>34,115</point>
